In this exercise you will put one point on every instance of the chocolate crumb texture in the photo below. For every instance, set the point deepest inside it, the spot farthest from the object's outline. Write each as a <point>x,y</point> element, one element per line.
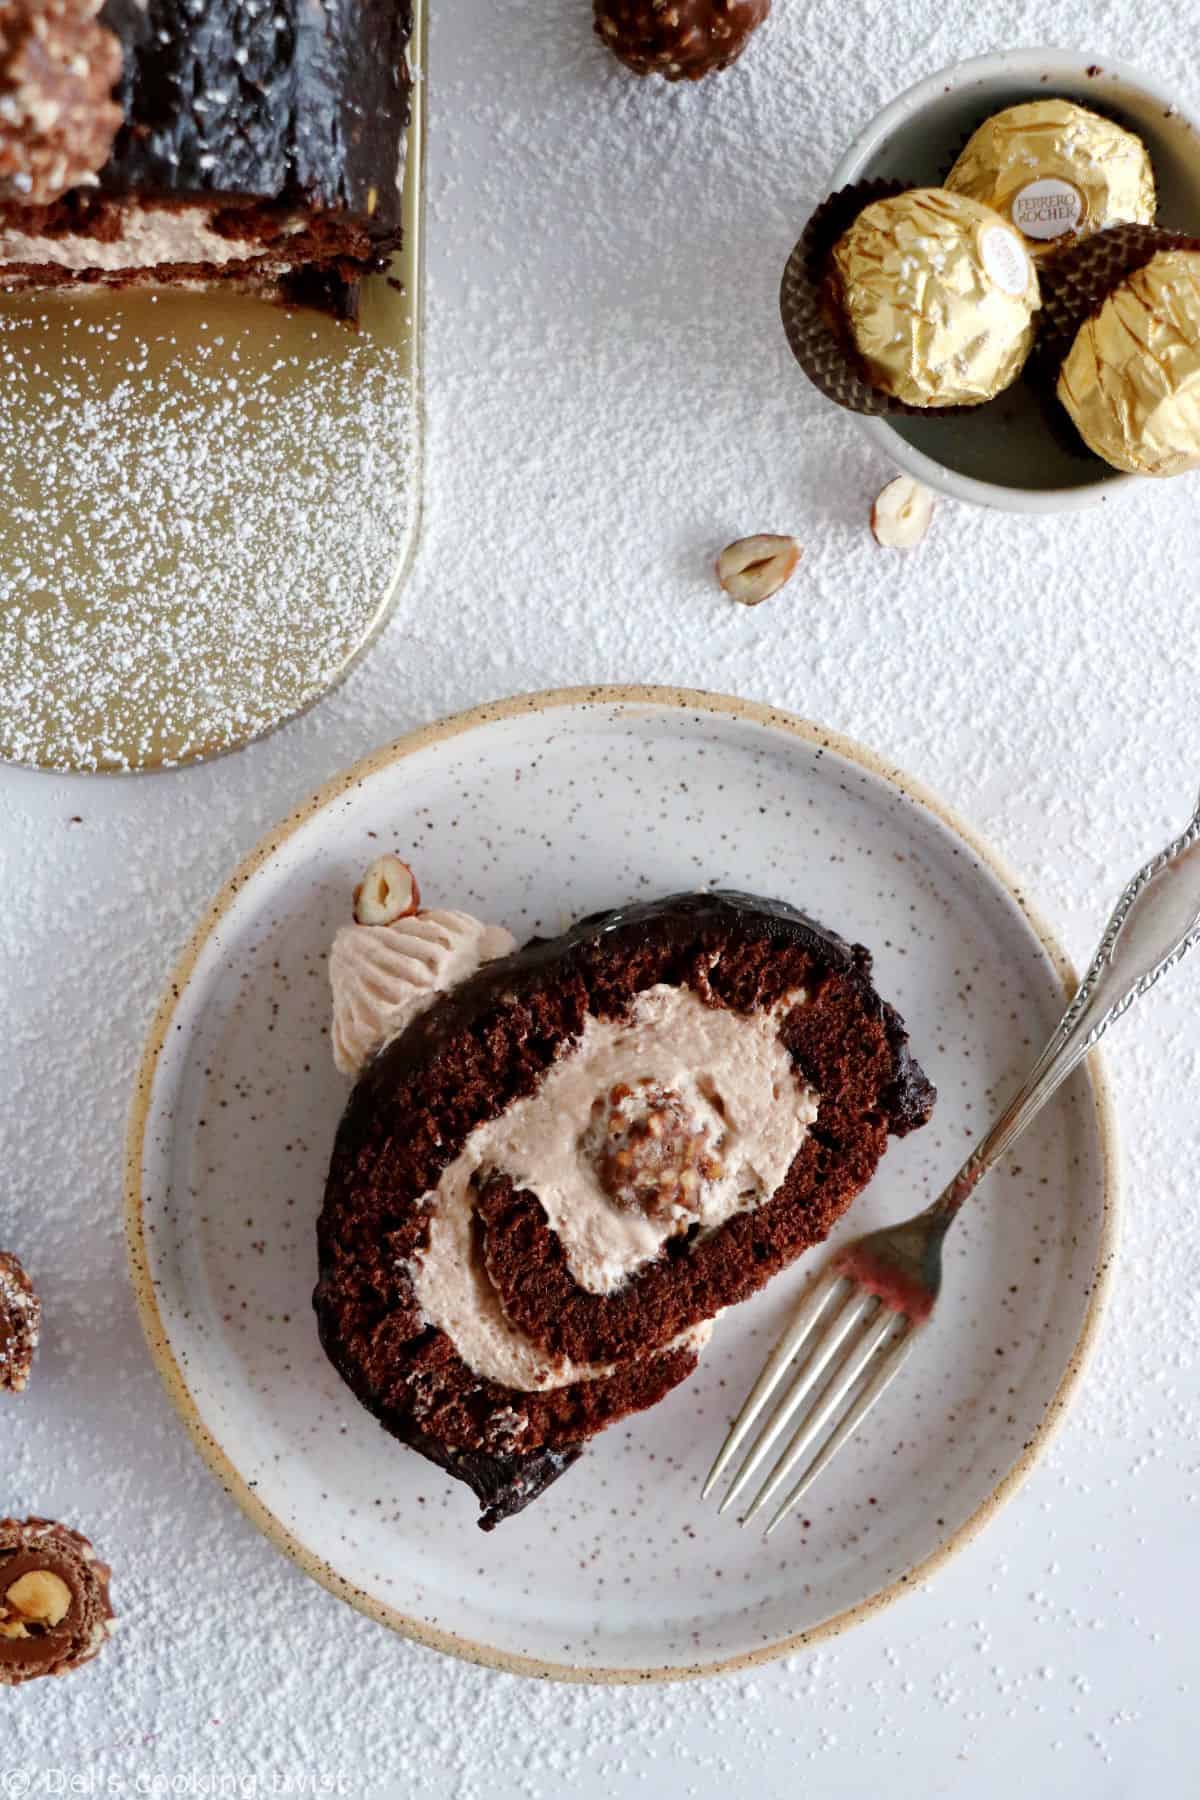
<point>491,1040</point>
<point>58,116</point>
<point>681,40</point>
<point>55,1613</point>
<point>20,1325</point>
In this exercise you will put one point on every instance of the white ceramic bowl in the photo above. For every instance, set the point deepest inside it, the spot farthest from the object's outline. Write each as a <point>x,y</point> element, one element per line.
<point>1004,456</point>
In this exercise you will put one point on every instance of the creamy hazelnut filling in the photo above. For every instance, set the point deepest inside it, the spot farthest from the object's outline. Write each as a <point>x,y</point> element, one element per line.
<point>676,1117</point>
<point>150,237</point>
<point>384,975</point>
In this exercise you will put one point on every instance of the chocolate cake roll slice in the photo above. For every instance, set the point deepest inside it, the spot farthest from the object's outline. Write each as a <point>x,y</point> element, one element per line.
<point>183,141</point>
<point>560,1164</point>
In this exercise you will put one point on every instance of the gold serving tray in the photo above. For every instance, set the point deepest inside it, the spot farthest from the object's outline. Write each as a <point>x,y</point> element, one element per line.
<point>210,506</point>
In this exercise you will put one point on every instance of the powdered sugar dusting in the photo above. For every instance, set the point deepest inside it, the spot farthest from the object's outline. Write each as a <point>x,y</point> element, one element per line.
<point>610,401</point>
<point>210,500</point>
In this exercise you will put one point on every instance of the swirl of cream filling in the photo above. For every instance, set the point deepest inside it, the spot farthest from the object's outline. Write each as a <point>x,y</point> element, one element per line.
<point>736,1079</point>
<point>383,976</point>
<point>727,1073</point>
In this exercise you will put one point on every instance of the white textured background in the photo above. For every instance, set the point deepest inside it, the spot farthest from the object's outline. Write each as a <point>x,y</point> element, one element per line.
<point>610,399</point>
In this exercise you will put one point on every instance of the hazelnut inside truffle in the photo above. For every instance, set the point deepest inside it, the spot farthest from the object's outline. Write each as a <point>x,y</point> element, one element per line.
<point>54,1606</point>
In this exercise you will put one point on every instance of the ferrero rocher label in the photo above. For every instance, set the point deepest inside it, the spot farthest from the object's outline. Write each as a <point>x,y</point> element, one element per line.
<point>938,295</point>
<point>1131,380</point>
<point>1057,172</point>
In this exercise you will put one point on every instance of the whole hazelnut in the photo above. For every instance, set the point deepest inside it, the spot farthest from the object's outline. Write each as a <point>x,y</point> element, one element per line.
<point>387,892</point>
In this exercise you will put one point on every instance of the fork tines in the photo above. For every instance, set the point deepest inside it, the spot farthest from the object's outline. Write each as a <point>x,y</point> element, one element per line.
<point>852,1345</point>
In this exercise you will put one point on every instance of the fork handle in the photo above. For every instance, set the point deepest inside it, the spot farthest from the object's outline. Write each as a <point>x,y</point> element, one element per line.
<point>1156,922</point>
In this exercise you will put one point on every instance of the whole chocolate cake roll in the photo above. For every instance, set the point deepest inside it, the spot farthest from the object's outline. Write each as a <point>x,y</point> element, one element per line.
<point>559,1164</point>
<point>197,140</point>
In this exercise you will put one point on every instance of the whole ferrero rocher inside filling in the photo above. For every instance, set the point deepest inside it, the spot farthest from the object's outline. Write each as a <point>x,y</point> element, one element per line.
<point>936,294</point>
<point>1057,172</point>
<point>1131,380</point>
<point>650,1152</point>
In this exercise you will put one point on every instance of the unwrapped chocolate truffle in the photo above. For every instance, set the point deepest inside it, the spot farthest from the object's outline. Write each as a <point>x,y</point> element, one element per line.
<point>58,118</point>
<point>1131,379</point>
<point>1057,172</point>
<point>20,1325</point>
<point>935,295</point>
<point>54,1607</point>
<point>681,40</point>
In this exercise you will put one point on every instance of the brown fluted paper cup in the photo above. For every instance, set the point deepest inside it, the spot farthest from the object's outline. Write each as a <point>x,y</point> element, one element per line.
<point>818,347</point>
<point>1079,280</point>
<point>900,299</point>
<point>1120,347</point>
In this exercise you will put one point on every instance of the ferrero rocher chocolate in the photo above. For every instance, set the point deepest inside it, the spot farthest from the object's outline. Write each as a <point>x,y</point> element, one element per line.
<point>1131,380</point>
<point>55,1612</point>
<point>1057,172</point>
<point>937,296</point>
<point>20,1323</point>
<point>681,40</point>
<point>58,118</point>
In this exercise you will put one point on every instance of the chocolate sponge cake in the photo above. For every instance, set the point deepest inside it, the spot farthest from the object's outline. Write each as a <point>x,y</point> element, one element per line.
<point>559,1168</point>
<point>193,140</point>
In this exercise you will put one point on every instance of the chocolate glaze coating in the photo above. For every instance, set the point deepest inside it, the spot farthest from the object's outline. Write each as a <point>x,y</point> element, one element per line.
<point>294,102</point>
<point>489,1043</point>
<point>503,1485</point>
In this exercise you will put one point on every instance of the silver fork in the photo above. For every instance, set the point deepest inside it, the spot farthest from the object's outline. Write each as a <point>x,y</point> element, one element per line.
<point>860,1321</point>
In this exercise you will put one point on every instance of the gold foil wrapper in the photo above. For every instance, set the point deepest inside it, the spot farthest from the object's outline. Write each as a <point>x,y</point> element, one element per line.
<point>811,320</point>
<point>937,295</point>
<point>1131,380</point>
<point>1057,172</point>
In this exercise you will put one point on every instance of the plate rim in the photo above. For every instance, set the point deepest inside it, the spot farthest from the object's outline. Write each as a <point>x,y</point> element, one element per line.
<point>220,1464</point>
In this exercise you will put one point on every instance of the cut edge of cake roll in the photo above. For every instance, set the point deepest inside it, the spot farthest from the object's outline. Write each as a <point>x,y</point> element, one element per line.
<point>559,1165</point>
<point>151,142</point>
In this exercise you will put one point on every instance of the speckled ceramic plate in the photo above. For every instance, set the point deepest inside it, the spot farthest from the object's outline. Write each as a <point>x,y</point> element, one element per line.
<point>531,812</point>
